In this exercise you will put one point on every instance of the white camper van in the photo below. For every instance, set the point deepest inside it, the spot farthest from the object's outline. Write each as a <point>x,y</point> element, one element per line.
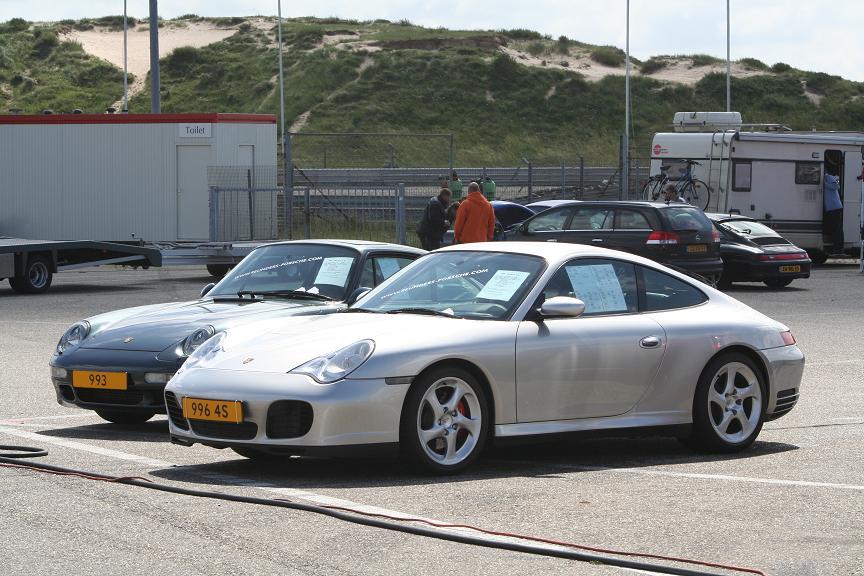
<point>769,172</point>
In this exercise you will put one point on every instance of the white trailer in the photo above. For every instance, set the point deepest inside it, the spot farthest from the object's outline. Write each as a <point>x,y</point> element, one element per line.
<point>772,174</point>
<point>127,177</point>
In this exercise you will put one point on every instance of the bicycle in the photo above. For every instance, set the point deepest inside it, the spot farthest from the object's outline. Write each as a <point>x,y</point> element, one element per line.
<point>693,190</point>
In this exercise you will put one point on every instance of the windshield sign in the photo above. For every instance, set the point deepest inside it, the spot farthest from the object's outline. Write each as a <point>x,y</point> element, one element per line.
<point>313,268</point>
<point>480,285</point>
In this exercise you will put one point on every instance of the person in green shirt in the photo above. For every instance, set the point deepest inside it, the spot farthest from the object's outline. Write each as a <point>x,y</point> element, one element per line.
<point>455,185</point>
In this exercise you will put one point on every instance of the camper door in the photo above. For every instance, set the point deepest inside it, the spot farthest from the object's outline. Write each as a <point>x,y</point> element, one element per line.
<point>852,197</point>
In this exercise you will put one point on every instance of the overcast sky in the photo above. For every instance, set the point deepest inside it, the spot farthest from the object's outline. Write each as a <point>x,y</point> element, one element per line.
<point>809,34</point>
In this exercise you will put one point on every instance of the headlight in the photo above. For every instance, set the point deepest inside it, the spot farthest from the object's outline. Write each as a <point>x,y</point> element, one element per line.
<point>73,336</point>
<point>205,351</point>
<point>194,340</point>
<point>328,369</point>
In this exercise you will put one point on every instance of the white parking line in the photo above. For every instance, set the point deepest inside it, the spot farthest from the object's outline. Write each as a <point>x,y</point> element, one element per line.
<point>16,421</point>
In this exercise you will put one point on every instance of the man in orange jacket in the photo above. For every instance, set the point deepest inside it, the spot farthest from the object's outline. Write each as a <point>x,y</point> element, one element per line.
<point>475,219</point>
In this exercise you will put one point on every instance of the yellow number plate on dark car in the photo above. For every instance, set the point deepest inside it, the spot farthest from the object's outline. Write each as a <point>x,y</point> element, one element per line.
<point>100,380</point>
<point>697,248</point>
<point>216,410</point>
<point>796,268</point>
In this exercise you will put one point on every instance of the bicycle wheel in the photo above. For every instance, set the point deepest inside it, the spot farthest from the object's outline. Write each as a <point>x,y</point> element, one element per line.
<point>697,193</point>
<point>651,190</point>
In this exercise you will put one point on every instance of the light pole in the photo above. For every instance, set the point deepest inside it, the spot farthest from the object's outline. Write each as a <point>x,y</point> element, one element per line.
<point>155,107</point>
<point>728,64</point>
<point>125,63</point>
<point>288,168</point>
<point>625,153</point>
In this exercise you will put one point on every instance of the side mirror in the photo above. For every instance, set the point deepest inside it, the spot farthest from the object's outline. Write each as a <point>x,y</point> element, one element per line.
<point>562,307</point>
<point>357,295</point>
<point>207,289</point>
<point>523,229</point>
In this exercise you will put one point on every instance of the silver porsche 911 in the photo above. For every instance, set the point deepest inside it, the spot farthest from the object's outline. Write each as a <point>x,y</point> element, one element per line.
<point>499,339</point>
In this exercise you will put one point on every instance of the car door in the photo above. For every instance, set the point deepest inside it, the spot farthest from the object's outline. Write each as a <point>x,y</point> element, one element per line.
<point>545,227</point>
<point>599,364</point>
<point>630,231</point>
<point>590,225</point>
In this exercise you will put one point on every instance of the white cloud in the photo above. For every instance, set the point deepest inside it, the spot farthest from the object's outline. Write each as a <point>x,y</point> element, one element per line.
<point>808,34</point>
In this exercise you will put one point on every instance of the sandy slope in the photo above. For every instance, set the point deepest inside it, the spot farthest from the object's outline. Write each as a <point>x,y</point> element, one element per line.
<point>108,45</point>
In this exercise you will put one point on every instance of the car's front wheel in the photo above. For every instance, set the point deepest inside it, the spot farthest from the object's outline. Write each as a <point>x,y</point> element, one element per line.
<point>445,420</point>
<point>729,405</point>
<point>125,417</point>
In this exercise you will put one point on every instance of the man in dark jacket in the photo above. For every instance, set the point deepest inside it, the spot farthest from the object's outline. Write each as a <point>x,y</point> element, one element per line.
<point>434,222</point>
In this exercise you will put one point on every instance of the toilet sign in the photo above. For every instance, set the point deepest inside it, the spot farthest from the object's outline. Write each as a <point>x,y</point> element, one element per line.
<point>203,130</point>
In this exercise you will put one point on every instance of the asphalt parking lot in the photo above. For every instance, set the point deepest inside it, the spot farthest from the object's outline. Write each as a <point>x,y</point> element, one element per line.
<point>791,505</point>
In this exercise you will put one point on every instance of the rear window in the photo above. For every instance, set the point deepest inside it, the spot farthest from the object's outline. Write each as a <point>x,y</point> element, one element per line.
<point>749,228</point>
<point>686,219</point>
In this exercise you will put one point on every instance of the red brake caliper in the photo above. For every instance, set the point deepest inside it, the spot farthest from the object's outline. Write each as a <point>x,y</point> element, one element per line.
<point>462,408</point>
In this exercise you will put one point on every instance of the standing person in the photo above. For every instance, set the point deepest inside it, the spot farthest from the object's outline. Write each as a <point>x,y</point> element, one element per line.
<point>832,223</point>
<point>670,194</point>
<point>434,223</point>
<point>475,219</point>
<point>455,185</point>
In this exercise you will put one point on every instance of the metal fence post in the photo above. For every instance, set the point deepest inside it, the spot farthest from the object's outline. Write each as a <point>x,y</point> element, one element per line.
<point>214,210</point>
<point>530,182</point>
<point>307,215</point>
<point>563,179</point>
<point>401,237</point>
<point>450,157</point>
<point>288,184</point>
<point>621,167</point>
<point>581,177</point>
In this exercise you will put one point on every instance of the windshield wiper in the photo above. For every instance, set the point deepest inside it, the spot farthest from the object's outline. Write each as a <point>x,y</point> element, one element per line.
<point>298,294</point>
<point>425,311</point>
<point>366,310</point>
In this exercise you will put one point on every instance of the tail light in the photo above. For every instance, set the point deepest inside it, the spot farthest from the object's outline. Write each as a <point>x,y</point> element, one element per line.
<point>658,237</point>
<point>715,235</point>
<point>788,338</point>
<point>784,256</point>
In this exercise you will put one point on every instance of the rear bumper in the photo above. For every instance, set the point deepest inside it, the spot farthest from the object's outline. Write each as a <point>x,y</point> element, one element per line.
<point>140,396</point>
<point>758,270</point>
<point>704,267</point>
<point>785,369</point>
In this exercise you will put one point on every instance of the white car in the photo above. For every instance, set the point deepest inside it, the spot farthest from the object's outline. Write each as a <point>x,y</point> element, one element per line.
<point>500,339</point>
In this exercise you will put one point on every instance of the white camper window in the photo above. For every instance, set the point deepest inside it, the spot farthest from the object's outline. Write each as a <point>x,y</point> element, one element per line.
<point>742,176</point>
<point>808,172</point>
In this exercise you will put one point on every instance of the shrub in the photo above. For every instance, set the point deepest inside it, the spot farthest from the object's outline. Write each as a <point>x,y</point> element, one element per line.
<point>653,65</point>
<point>565,63</point>
<point>753,64</point>
<point>521,34</point>
<point>404,22</point>
<point>15,25</point>
<point>183,59</point>
<point>781,67</point>
<point>703,60</point>
<point>536,48</point>
<point>114,22</point>
<point>563,45</point>
<point>45,42</point>
<point>608,56</point>
<point>305,38</point>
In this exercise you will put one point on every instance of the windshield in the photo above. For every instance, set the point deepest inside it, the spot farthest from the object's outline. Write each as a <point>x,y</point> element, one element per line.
<point>313,268</point>
<point>749,228</point>
<point>687,219</point>
<point>463,284</point>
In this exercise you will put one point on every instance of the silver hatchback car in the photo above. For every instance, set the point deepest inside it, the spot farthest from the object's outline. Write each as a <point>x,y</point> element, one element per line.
<point>499,339</point>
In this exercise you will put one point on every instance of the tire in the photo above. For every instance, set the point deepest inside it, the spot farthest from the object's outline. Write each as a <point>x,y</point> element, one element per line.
<point>258,455</point>
<point>723,283</point>
<point>37,277</point>
<point>697,193</point>
<point>717,426</point>
<point>218,270</point>
<point>778,282</point>
<point>125,417</point>
<point>818,257</point>
<point>452,443</point>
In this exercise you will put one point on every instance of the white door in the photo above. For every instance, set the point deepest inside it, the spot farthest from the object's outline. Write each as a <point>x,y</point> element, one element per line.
<point>852,198</point>
<point>193,213</point>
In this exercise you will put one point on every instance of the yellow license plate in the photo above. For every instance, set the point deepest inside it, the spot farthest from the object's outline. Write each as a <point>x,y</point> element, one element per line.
<point>216,410</point>
<point>99,380</point>
<point>697,248</point>
<point>795,268</point>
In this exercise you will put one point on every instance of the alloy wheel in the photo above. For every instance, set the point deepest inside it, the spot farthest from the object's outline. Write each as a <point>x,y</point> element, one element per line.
<point>734,402</point>
<point>449,421</point>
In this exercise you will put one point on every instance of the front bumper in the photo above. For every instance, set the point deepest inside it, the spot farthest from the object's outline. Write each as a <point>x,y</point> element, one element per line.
<point>140,395</point>
<point>288,413</point>
<point>785,369</point>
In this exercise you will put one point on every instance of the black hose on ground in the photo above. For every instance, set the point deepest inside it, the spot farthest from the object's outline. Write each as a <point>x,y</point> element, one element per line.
<point>7,460</point>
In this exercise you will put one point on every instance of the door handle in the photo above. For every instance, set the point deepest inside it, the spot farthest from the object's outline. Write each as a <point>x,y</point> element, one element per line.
<point>597,240</point>
<point>551,240</point>
<point>650,342</point>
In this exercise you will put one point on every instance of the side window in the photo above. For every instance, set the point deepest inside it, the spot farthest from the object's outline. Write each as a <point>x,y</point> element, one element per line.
<point>605,286</point>
<point>663,292</point>
<point>591,218</point>
<point>379,268</point>
<point>742,176</point>
<point>631,220</point>
<point>808,172</point>
<point>549,221</point>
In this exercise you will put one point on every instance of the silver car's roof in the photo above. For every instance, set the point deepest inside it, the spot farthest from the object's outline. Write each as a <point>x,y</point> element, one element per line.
<point>359,245</point>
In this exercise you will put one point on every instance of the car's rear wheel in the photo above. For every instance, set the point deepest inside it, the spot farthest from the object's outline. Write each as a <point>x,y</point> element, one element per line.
<point>125,417</point>
<point>729,405</point>
<point>445,420</point>
<point>778,282</point>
